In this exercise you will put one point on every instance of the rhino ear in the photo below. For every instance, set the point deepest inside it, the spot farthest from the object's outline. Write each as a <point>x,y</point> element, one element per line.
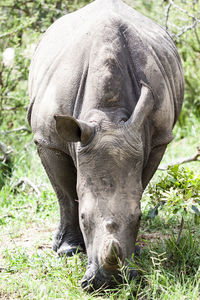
<point>72,130</point>
<point>143,108</point>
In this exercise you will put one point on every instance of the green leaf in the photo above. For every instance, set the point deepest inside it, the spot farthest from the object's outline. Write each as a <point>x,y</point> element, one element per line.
<point>153,212</point>
<point>195,209</point>
<point>196,219</point>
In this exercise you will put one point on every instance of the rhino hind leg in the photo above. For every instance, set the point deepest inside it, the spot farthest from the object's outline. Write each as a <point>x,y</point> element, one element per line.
<point>62,175</point>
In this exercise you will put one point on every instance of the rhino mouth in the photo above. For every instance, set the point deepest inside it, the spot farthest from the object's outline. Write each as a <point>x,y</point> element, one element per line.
<point>99,280</point>
<point>109,274</point>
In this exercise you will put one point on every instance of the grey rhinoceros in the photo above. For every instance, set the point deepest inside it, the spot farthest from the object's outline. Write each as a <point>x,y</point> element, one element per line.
<point>106,87</point>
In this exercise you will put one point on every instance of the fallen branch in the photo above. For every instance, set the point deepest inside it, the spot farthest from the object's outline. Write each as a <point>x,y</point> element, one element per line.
<point>22,128</point>
<point>26,181</point>
<point>6,153</point>
<point>15,208</point>
<point>2,269</point>
<point>9,108</point>
<point>182,161</point>
<point>22,207</point>
<point>6,216</point>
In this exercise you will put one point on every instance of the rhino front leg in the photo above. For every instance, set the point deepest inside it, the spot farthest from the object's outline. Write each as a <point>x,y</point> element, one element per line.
<point>62,174</point>
<point>152,164</point>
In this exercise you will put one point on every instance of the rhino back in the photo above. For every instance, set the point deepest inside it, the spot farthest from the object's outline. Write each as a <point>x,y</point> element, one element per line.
<point>95,59</point>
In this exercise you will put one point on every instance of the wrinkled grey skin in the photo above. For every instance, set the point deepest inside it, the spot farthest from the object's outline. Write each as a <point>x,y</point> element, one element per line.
<point>106,88</point>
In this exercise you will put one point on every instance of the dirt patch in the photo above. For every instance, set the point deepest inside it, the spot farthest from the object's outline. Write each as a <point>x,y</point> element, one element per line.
<point>5,296</point>
<point>151,238</point>
<point>28,239</point>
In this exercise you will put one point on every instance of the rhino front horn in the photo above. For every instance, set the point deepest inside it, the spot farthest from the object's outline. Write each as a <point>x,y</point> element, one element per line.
<point>112,253</point>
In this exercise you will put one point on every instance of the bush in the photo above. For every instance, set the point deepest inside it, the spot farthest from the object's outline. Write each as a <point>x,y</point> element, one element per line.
<point>177,194</point>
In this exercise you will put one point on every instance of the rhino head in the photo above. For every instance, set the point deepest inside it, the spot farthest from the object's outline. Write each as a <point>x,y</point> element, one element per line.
<point>109,163</point>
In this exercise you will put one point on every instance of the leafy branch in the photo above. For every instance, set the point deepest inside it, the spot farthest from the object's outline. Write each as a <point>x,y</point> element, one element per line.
<point>19,28</point>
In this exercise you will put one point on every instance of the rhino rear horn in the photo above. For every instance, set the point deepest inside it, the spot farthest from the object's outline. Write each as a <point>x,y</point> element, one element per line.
<point>143,108</point>
<point>72,130</point>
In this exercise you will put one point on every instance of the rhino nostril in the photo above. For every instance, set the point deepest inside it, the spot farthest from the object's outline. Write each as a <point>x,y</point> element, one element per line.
<point>112,226</point>
<point>85,284</point>
<point>132,274</point>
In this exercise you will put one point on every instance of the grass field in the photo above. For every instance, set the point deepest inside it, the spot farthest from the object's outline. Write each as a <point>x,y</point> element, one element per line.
<point>29,269</point>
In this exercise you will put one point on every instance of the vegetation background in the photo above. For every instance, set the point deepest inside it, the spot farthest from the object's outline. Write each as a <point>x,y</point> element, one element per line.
<point>169,263</point>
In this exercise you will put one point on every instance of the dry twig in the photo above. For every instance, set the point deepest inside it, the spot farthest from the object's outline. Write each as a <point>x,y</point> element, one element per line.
<point>22,128</point>
<point>27,181</point>
<point>191,23</point>
<point>6,153</point>
<point>182,161</point>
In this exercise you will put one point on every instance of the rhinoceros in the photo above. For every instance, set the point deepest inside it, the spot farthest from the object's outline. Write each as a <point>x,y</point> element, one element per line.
<point>106,87</point>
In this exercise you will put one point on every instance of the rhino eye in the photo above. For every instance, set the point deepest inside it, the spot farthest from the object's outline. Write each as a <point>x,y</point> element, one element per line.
<point>83,220</point>
<point>112,226</point>
<point>134,218</point>
<point>82,217</point>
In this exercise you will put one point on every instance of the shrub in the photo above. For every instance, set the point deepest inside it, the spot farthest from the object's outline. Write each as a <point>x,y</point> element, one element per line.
<point>177,194</point>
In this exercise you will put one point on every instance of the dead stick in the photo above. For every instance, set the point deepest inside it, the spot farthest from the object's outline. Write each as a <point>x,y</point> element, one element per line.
<point>26,181</point>
<point>6,216</point>
<point>23,128</point>
<point>182,161</point>
<point>15,208</point>
<point>6,153</point>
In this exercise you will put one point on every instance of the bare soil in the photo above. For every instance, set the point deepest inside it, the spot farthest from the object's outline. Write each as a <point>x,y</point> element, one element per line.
<point>29,239</point>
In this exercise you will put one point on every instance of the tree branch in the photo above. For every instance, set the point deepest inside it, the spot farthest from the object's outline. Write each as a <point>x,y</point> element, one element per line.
<point>190,23</point>
<point>184,11</point>
<point>167,15</point>
<point>182,161</point>
<point>22,128</point>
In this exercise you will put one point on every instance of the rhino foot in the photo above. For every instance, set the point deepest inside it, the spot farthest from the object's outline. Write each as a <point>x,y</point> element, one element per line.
<point>66,250</point>
<point>137,251</point>
<point>68,244</point>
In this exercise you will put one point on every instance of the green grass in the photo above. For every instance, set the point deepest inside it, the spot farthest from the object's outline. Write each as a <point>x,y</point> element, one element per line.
<point>29,269</point>
<point>165,272</point>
